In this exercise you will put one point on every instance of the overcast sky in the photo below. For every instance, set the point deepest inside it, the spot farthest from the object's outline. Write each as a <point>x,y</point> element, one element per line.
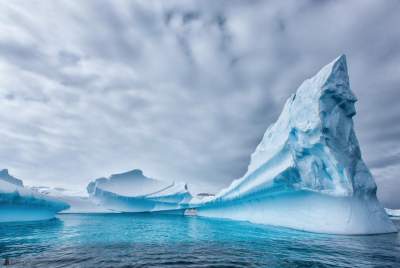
<point>183,90</point>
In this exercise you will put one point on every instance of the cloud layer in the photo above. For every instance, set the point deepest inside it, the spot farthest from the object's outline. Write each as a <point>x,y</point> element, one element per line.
<point>183,89</point>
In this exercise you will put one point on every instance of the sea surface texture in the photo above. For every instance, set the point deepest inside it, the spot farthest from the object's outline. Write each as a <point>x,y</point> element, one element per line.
<point>148,240</point>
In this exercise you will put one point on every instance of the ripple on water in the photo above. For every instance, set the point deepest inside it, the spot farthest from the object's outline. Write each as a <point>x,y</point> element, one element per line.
<point>144,240</point>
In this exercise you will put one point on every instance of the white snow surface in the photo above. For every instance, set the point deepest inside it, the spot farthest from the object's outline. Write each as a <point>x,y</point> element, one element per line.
<point>307,173</point>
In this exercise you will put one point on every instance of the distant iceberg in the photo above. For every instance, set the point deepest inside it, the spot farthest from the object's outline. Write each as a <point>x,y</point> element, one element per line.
<point>5,176</point>
<point>19,203</point>
<point>133,192</point>
<point>393,212</point>
<point>307,173</point>
<point>79,202</point>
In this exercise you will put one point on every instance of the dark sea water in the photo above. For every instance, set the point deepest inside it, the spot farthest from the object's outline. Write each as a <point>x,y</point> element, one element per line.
<point>148,240</point>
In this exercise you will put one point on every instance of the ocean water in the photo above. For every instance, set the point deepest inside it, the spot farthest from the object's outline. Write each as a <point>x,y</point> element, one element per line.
<point>150,240</point>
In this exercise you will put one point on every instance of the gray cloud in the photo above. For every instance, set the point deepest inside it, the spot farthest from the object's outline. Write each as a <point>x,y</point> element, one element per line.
<point>183,89</point>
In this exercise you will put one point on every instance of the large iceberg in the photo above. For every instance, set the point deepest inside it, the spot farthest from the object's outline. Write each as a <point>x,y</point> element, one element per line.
<point>133,192</point>
<point>19,203</point>
<point>307,173</point>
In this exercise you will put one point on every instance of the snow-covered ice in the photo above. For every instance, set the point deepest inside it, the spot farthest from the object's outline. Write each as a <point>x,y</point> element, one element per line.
<point>133,192</point>
<point>307,173</point>
<point>393,212</point>
<point>19,203</point>
<point>79,202</point>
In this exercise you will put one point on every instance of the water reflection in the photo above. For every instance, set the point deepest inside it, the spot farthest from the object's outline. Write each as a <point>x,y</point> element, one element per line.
<point>17,238</point>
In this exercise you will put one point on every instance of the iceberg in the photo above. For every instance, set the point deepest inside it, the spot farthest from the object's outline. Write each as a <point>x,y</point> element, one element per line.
<point>79,202</point>
<point>20,203</point>
<point>133,192</point>
<point>307,173</point>
<point>5,176</point>
<point>395,213</point>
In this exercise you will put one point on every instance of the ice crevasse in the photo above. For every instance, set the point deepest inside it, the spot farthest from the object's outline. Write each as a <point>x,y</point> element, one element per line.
<point>307,173</point>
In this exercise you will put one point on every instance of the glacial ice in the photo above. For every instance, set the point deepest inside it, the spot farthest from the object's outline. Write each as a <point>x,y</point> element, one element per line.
<point>19,203</point>
<point>393,212</point>
<point>5,176</point>
<point>133,192</point>
<point>79,202</point>
<point>307,173</point>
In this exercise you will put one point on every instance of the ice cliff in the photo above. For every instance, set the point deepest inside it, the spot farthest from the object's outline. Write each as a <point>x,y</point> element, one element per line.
<point>19,203</point>
<point>133,192</point>
<point>307,173</point>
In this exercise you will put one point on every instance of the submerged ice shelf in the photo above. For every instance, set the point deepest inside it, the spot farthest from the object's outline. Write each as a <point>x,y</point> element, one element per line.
<point>19,203</point>
<point>307,173</point>
<point>133,192</point>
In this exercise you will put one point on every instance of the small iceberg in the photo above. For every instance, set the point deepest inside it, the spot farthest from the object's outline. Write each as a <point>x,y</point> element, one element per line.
<point>395,213</point>
<point>78,201</point>
<point>20,203</point>
<point>133,192</point>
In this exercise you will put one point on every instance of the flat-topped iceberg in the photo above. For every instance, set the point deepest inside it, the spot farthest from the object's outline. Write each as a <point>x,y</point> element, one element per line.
<point>19,203</point>
<point>133,192</point>
<point>307,173</point>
